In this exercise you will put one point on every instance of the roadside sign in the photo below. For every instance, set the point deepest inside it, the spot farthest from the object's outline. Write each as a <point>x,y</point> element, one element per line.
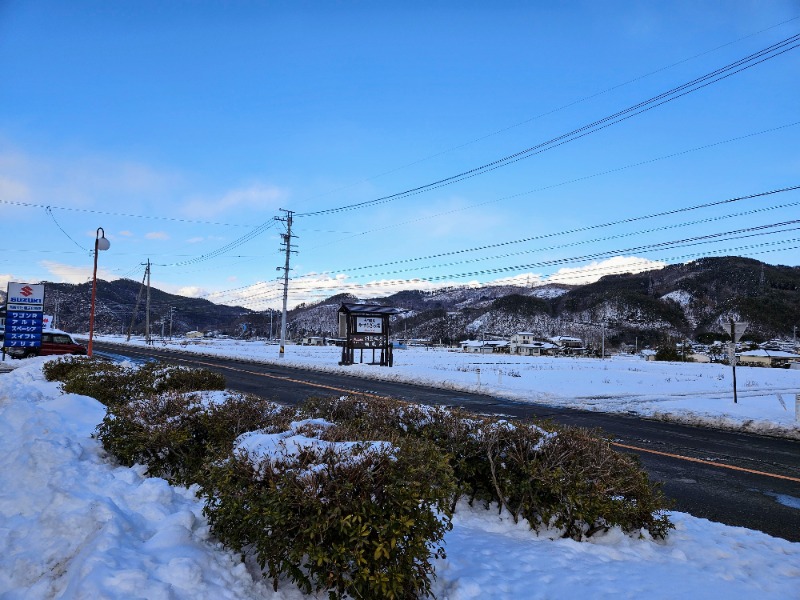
<point>735,329</point>
<point>24,315</point>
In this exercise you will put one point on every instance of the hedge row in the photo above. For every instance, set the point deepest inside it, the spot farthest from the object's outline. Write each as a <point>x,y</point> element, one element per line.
<point>562,477</point>
<point>353,495</point>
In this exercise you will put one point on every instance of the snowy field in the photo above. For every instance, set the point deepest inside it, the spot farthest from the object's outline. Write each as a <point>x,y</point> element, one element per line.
<point>73,525</point>
<point>688,392</point>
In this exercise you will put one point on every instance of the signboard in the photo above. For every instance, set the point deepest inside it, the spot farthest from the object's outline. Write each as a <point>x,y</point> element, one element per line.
<point>369,325</point>
<point>24,315</point>
<point>47,322</point>
<point>735,329</point>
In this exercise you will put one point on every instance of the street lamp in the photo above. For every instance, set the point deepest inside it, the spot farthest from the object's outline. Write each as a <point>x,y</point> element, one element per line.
<point>100,243</point>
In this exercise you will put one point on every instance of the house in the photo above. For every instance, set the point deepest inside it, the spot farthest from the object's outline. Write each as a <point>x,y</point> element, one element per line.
<point>569,345</point>
<point>648,355</point>
<point>536,349</point>
<point>768,358</point>
<point>313,340</point>
<point>485,347</point>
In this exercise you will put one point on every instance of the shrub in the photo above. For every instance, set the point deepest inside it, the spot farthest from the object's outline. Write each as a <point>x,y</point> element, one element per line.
<point>176,434</point>
<point>62,367</point>
<point>552,476</point>
<point>112,383</point>
<point>358,519</point>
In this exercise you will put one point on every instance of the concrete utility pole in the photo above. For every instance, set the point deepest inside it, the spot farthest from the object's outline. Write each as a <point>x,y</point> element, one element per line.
<point>138,299</point>
<point>147,310</point>
<point>287,243</point>
<point>172,310</point>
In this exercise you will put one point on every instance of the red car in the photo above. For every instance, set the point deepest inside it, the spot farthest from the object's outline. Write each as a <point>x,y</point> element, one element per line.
<point>53,342</point>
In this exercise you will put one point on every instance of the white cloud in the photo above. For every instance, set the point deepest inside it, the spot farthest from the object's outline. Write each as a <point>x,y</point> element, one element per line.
<point>79,180</point>
<point>191,291</point>
<point>13,190</point>
<point>195,240</point>
<point>157,235</point>
<point>258,197</point>
<point>72,274</point>
<point>593,271</point>
<point>126,233</point>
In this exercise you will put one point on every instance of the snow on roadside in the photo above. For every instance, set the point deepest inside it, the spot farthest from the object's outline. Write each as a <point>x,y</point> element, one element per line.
<point>74,525</point>
<point>692,393</point>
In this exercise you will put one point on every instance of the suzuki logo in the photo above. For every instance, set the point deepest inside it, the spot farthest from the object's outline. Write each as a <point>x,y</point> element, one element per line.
<point>26,291</point>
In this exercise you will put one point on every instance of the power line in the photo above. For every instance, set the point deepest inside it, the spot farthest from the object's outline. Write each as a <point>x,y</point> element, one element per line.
<point>584,272</point>
<point>553,111</point>
<point>226,248</point>
<point>565,232</point>
<point>687,88</point>
<point>562,183</point>
<point>681,243</point>
<point>224,293</point>
<point>581,242</point>
<point>51,207</point>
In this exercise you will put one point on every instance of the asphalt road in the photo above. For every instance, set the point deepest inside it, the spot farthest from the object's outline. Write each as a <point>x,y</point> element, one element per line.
<point>734,478</point>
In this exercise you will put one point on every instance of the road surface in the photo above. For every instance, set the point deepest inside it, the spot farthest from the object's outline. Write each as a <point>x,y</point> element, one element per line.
<point>734,478</point>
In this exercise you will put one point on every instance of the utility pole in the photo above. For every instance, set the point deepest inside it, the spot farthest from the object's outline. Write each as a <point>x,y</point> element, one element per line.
<point>171,312</point>
<point>138,299</point>
<point>147,310</point>
<point>603,343</point>
<point>287,246</point>
<point>55,315</point>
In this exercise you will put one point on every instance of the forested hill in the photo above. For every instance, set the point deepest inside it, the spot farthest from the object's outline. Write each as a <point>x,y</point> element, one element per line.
<point>679,300</point>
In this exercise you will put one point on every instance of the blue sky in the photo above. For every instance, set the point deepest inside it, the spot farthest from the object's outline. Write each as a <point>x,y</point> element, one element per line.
<point>181,127</point>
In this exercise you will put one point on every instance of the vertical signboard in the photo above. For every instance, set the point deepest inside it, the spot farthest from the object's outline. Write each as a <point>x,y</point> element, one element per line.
<point>24,315</point>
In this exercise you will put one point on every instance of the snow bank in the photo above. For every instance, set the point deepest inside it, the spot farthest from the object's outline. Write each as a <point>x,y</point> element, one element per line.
<point>74,525</point>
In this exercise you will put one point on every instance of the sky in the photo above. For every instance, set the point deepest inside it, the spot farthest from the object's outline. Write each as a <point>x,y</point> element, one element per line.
<point>184,129</point>
<point>80,526</point>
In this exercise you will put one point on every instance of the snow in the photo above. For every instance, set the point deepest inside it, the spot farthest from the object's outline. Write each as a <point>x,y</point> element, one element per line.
<point>75,525</point>
<point>696,393</point>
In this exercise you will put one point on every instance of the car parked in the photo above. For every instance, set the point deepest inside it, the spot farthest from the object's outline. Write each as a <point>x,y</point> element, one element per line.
<point>53,342</point>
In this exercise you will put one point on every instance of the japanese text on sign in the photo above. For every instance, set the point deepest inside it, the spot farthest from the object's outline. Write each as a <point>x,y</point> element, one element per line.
<point>368,325</point>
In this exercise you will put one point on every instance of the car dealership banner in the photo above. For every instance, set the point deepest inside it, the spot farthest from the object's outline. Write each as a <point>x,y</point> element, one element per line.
<point>24,315</point>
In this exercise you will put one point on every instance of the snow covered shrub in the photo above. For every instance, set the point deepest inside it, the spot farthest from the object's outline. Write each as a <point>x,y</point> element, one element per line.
<point>112,383</point>
<point>355,519</point>
<point>104,381</point>
<point>160,377</point>
<point>561,477</point>
<point>176,434</point>
<point>581,485</point>
<point>60,368</point>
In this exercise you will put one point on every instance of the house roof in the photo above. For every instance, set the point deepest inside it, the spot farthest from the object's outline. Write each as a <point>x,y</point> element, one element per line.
<point>770,354</point>
<point>370,309</point>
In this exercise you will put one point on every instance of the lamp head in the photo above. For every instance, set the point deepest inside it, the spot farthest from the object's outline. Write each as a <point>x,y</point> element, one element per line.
<point>101,242</point>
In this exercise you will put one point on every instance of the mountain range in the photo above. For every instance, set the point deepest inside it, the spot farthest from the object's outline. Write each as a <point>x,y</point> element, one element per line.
<point>683,300</point>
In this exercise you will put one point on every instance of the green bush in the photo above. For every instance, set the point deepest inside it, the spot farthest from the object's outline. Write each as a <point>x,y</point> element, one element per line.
<point>176,434</point>
<point>112,383</point>
<point>354,518</point>
<point>61,368</point>
<point>559,477</point>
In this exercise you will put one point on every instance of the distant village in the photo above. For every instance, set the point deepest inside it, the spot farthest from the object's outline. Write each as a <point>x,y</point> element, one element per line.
<point>773,353</point>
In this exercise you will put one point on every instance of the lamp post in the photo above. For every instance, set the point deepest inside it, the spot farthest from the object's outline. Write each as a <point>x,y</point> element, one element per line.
<point>100,243</point>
